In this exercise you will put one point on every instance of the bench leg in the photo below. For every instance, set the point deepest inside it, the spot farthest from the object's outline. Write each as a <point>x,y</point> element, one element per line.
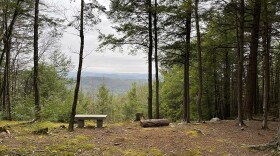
<point>99,123</point>
<point>81,123</point>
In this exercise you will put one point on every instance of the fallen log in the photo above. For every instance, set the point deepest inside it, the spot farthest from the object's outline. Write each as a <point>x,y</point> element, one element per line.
<point>154,123</point>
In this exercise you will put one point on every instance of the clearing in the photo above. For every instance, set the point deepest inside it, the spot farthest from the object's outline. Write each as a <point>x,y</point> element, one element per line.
<point>220,138</point>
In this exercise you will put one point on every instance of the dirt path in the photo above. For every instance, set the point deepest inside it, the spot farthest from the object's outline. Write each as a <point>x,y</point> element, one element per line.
<point>223,138</point>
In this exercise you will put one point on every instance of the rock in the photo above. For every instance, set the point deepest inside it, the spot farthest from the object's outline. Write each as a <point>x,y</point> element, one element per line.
<point>41,131</point>
<point>242,128</point>
<point>172,125</point>
<point>62,126</point>
<point>117,143</point>
<point>216,119</point>
<point>96,149</point>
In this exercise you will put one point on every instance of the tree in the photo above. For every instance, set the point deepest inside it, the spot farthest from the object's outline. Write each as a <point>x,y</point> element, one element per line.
<point>103,100</point>
<point>132,106</point>
<point>199,62</point>
<point>36,59</point>
<point>156,59</point>
<point>7,40</point>
<point>240,41</point>
<point>150,54</point>
<point>251,95</point>
<point>85,18</point>
<point>76,93</point>
<point>172,93</point>
<point>266,67</point>
<point>186,108</point>
<point>135,22</point>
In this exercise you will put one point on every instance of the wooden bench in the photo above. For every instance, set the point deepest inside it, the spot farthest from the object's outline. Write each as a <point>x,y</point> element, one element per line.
<point>81,119</point>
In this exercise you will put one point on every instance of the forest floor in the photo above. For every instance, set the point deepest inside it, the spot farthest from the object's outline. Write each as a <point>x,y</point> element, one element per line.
<point>220,138</point>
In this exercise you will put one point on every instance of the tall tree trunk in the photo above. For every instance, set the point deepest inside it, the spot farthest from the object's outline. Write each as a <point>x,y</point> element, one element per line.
<point>199,97</point>
<point>7,49</point>
<point>226,100</point>
<point>150,54</point>
<point>256,108</point>
<point>76,93</point>
<point>266,43</point>
<point>252,68</point>
<point>277,82</point>
<point>7,85</point>
<point>156,60</point>
<point>233,103</point>
<point>186,115</point>
<point>36,66</point>
<point>216,88</point>
<point>278,94</point>
<point>240,41</point>
<point>4,85</point>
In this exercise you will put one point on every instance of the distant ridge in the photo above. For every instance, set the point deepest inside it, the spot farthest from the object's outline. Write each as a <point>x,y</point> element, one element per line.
<point>131,76</point>
<point>115,82</point>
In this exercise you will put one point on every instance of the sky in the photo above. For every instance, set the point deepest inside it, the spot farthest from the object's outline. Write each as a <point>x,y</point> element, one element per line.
<point>99,62</point>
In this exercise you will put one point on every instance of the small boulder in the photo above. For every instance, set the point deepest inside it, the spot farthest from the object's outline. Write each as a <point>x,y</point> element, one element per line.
<point>216,119</point>
<point>41,131</point>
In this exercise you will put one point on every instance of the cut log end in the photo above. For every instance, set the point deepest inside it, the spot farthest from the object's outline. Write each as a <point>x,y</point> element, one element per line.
<point>154,123</point>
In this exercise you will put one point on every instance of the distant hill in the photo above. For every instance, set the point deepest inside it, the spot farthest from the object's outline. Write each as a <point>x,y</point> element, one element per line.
<point>115,82</point>
<point>133,76</point>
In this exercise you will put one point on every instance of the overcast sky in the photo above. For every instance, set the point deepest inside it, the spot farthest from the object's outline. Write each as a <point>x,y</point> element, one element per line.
<point>106,62</point>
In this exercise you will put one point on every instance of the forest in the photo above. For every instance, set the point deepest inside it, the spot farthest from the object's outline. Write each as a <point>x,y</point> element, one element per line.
<point>205,59</point>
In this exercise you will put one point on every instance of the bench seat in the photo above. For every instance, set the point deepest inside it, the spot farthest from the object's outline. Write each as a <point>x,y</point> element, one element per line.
<point>82,117</point>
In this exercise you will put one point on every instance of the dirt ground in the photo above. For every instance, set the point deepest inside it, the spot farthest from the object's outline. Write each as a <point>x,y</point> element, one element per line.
<point>220,138</point>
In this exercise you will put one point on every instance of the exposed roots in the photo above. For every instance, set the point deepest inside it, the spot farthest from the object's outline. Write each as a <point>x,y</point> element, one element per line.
<point>271,145</point>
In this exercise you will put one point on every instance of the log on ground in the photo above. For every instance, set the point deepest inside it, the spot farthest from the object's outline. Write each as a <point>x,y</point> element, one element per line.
<point>154,123</point>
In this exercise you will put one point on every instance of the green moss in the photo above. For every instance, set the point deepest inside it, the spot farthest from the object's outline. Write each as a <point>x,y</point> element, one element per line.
<point>71,146</point>
<point>154,151</point>
<point>88,146</point>
<point>192,133</point>
<point>45,124</point>
<point>191,153</point>
<point>134,152</point>
<point>111,150</point>
<point>3,149</point>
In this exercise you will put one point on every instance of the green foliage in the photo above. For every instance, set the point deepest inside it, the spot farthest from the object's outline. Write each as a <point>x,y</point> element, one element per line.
<point>103,101</point>
<point>24,110</point>
<point>172,94</point>
<point>131,107</point>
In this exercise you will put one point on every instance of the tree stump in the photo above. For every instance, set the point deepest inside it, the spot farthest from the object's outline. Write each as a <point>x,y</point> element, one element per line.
<point>138,116</point>
<point>154,123</point>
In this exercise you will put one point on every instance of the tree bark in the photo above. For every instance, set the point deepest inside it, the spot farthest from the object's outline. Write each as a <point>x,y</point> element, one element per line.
<point>156,61</point>
<point>252,68</point>
<point>76,93</point>
<point>7,76</point>
<point>7,49</point>
<point>186,115</point>
<point>154,123</point>
<point>226,100</point>
<point>199,97</point>
<point>150,53</point>
<point>240,41</point>
<point>216,88</point>
<point>36,64</point>
<point>266,43</point>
